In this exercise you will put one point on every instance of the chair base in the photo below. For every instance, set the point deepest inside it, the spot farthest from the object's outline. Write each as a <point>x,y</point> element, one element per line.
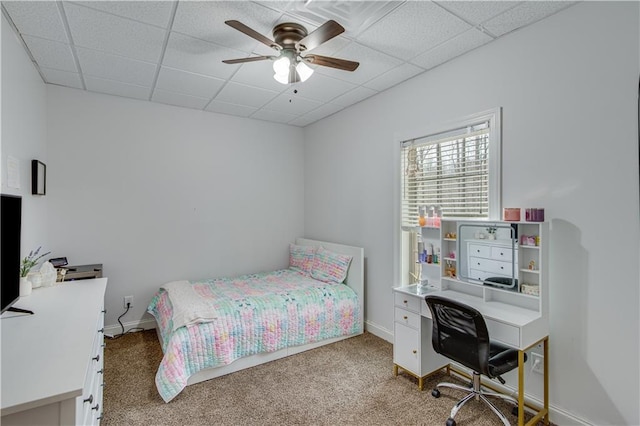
<point>476,392</point>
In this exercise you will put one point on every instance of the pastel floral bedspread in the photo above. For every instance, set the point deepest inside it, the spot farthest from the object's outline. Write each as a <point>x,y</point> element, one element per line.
<point>256,313</point>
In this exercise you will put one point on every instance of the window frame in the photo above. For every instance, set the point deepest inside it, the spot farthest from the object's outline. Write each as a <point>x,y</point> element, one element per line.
<point>494,117</point>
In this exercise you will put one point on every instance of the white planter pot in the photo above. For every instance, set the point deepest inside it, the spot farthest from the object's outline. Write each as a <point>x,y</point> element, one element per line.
<point>25,286</point>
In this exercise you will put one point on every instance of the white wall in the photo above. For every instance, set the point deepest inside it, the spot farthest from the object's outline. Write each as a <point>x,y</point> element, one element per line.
<point>568,87</point>
<point>23,134</point>
<point>158,193</point>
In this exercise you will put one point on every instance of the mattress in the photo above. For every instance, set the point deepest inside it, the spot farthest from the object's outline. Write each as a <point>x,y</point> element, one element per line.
<point>253,314</point>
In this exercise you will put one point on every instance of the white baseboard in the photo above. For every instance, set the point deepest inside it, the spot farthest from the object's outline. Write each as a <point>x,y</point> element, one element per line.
<point>379,331</point>
<point>113,330</point>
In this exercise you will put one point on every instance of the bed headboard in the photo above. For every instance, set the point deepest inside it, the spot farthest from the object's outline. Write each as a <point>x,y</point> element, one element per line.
<point>355,274</point>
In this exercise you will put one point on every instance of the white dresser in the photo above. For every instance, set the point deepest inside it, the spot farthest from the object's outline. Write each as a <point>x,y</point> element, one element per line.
<point>491,258</point>
<point>52,361</point>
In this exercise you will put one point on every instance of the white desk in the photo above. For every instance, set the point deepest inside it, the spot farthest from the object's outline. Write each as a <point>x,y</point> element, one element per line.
<point>512,325</point>
<point>52,360</point>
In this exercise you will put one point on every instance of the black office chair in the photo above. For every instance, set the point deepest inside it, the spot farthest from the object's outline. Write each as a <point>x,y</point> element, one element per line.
<point>460,334</point>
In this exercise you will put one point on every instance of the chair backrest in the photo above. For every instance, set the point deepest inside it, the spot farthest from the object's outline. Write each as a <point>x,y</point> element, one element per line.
<point>459,333</point>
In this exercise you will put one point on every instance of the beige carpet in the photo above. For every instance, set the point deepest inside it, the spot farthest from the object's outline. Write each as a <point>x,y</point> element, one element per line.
<point>346,383</point>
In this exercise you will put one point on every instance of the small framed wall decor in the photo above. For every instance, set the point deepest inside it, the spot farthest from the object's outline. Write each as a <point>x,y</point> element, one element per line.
<point>38,177</point>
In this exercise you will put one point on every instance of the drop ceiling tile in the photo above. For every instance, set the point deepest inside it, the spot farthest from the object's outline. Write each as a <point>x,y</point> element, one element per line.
<point>205,20</point>
<point>411,29</point>
<point>187,83</point>
<point>317,114</point>
<point>322,88</point>
<point>258,74</point>
<point>117,88</point>
<point>190,54</point>
<point>354,16</point>
<point>37,18</point>
<point>51,54</point>
<point>178,99</point>
<point>477,12</point>
<point>112,34</point>
<point>372,64</point>
<point>354,96</point>
<point>393,77</point>
<point>524,14</point>
<point>240,94</point>
<point>463,43</point>
<point>113,67</point>
<point>226,108</point>
<point>275,116</point>
<point>149,12</point>
<point>292,103</point>
<point>62,78</point>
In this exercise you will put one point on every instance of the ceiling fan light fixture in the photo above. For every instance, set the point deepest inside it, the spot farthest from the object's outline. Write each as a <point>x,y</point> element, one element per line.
<point>281,66</point>
<point>304,71</point>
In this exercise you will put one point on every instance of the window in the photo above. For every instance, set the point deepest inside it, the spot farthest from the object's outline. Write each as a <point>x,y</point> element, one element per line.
<point>456,167</point>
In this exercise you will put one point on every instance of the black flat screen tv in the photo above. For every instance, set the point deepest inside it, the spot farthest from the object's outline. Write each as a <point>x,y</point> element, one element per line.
<point>11,218</point>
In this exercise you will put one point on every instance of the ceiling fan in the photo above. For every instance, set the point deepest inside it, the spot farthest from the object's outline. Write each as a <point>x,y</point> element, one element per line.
<point>291,40</point>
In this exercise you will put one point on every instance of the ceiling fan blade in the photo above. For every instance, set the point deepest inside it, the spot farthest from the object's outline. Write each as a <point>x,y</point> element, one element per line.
<point>253,34</point>
<point>326,61</point>
<point>324,32</point>
<point>251,59</point>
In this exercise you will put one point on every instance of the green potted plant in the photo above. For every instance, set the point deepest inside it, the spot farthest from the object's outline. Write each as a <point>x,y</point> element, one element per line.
<point>27,264</point>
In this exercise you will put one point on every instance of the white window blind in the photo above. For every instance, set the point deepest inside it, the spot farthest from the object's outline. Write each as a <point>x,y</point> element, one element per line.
<point>449,169</point>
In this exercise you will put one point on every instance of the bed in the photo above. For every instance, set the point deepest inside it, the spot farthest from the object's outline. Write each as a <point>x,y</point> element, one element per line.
<point>210,328</point>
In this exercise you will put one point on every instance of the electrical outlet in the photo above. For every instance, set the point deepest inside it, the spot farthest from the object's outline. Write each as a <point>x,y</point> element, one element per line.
<point>537,363</point>
<point>128,300</point>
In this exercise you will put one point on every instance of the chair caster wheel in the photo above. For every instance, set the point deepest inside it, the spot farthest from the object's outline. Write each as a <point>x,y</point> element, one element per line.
<point>451,422</point>
<point>514,411</point>
<point>435,393</point>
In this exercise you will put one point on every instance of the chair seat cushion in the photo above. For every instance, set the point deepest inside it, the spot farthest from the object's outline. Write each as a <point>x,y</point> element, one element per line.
<point>502,359</point>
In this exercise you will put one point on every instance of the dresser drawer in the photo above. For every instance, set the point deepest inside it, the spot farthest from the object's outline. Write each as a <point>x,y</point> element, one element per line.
<point>406,317</point>
<point>494,266</point>
<point>407,302</point>
<point>479,250</point>
<point>503,253</point>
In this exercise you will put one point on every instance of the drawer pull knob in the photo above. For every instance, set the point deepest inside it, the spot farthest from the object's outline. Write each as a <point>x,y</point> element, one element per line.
<point>89,400</point>
<point>96,358</point>
<point>104,311</point>
<point>101,330</point>
<point>501,254</point>
<point>99,371</point>
<point>405,302</point>
<point>97,407</point>
<point>405,317</point>
<point>415,351</point>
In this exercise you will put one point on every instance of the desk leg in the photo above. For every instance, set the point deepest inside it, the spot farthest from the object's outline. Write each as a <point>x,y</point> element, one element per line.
<point>521,388</point>
<point>395,370</point>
